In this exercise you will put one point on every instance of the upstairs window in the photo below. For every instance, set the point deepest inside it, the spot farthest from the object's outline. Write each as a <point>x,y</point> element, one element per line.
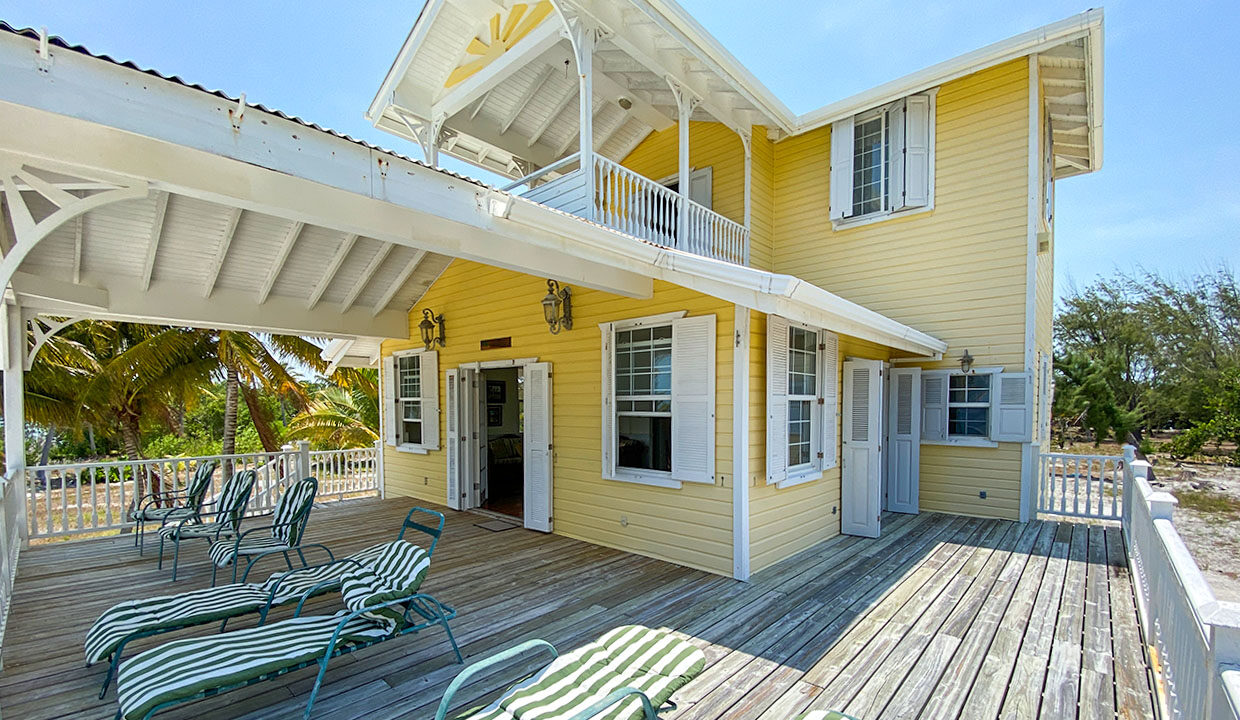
<point>882,160</point>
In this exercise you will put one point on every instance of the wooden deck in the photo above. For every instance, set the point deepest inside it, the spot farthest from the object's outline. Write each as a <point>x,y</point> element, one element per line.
<point>942,617</point>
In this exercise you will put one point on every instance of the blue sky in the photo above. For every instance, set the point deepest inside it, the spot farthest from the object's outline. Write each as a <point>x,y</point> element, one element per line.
<point>1167,197</point>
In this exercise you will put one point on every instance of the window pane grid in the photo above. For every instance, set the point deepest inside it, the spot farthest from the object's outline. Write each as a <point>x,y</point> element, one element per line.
<point>968,405</point>
<point>869,168</point>
<point>643,387</point>
<point>409,377</point>
<point>802,386</point>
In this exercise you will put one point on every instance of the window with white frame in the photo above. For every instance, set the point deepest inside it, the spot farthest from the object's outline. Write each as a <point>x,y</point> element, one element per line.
<point>882,160</point>
<point>802,382</point>
<point>411,400</point>
<point>976,408</point>
<point>658,399</point>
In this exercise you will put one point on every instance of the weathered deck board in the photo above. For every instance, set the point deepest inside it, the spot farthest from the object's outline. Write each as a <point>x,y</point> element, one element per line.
<point>938,611</point>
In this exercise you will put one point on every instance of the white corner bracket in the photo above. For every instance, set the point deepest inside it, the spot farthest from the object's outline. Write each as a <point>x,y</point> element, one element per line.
<point>45,328</point>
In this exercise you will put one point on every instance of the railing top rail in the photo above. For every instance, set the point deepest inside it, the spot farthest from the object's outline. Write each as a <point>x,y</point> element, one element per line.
<point>1078,455</point>
<point>153,461</point>
<point>557,165</point>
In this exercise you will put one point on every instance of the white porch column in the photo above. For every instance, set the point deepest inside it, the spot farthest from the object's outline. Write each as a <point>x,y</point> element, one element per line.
<point>747,143</point>
<point>583,38</point>
<point>686,102</point>
<point>15,407</point>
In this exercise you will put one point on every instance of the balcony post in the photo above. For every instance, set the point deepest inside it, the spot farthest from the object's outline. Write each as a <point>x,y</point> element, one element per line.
<point>686,102</point>
<point>15,408</point>
<point>747,143</point>
<point>583,38</point>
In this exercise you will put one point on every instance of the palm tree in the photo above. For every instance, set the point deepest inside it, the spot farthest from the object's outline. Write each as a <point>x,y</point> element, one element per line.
<point>342,416</point>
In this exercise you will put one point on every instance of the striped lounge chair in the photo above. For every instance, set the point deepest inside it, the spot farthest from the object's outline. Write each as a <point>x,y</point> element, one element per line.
<point>382,604</point>
<point>229,508</point>
<point>160,507</point>
<point>824,715</point>
<point>135,619</point>
<point>282,536</point>
<point>629,672</point>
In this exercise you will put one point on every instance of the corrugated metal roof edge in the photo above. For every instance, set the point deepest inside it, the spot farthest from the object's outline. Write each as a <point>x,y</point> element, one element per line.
<point>57,41</point>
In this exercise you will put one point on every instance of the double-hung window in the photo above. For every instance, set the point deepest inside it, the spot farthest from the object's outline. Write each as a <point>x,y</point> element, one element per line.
<point>976,408</point>
<point>659,399</point>
<point>411,400</point>
<point>882,160</point>
<point>802,381</point>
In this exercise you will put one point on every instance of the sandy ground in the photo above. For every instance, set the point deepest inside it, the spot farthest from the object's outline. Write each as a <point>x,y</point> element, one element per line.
<point>1208,518</point>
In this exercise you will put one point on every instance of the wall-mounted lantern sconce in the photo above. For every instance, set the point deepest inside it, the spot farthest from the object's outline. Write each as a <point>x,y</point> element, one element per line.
<point>966,362</point>
<point>429,325</point>
<point>558,307</point>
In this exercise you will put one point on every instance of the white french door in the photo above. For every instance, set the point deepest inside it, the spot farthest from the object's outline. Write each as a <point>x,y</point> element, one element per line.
<point>903,451</point>
<point>861,468</point>
<point>538,447</point>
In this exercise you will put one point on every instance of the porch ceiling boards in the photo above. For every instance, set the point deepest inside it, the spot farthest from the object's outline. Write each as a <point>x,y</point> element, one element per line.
<point>942,617</point>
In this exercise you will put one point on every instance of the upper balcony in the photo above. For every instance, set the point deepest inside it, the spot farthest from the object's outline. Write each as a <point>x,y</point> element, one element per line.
<point>500,86</point>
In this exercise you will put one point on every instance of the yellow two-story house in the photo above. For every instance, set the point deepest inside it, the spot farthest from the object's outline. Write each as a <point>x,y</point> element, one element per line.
<point>815,319</point>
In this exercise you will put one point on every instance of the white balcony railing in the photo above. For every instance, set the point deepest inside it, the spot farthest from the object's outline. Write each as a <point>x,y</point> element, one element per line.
<point>70,499</point>
<point>1088,486</point>
<point>636,205</point>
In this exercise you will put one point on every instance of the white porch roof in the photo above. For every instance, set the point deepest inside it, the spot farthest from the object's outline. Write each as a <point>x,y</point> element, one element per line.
<point>224,214</point>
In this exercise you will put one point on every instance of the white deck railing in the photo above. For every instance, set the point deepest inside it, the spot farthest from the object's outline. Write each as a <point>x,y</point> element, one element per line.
<point>69,499</point>
<point>1194,639</point>
<point>1088,486</point>
<point>11,539</point>
<point>633,204</point>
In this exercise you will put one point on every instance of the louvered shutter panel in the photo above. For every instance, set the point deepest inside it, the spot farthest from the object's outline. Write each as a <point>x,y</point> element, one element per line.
<point>841,168</point>
<point>895,159</point>
<point>429,373</point>
<point>538,447</point>
<point>933,407</point>
<point>693,399</point>
<point>608,402</point>
<point>1010,408</point>
<point>830,443</point>
<point>452,385</point>
<point>776,399</point>
<point>917,151</point>
<point>389,400</point>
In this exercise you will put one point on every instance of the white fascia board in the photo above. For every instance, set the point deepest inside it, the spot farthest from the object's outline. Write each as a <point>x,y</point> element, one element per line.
<point>404,59</point>
<point>1086,24</point>
<point>767,292</point>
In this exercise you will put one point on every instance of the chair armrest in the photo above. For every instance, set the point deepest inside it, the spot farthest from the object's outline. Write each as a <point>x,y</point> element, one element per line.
<point>614,697</point>
<point>474,668</point>
<point>154,498</point>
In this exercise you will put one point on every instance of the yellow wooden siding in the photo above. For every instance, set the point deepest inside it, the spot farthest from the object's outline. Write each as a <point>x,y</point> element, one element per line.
<point>718,147</point>
<point>957,272</point>
<point>691,526</point>
<point>784,522</point>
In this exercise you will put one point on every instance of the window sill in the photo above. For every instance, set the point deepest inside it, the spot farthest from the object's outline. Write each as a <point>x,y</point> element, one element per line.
<point>852,222</point>
<point>650,480</point>
<point>805,476</point>
<point>963,442</point>
<point>413,449</point>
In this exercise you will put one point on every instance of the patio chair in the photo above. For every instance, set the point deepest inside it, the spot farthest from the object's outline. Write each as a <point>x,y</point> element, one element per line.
<point>824,715</point>
<point>630,671</point>
<point>282,536</point>
<point>382,603</point>
<point>173,505</point>
<point>229,506</point>
<point>135,619</point>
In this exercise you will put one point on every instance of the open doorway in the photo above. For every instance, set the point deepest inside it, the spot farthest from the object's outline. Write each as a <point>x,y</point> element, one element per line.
<point>502,424</point>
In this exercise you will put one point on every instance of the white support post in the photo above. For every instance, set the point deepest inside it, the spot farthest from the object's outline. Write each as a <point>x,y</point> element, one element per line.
<point>303,458</point>
<point>15,408</point>
<point>740,445</point>
<point>747,143</point>
<point>379,479</point>
<point>686,102</point>
<point>583,38</point>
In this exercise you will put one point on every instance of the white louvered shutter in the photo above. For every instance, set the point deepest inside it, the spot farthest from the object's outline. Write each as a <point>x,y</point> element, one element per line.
<point>429,374</point>
<point>830,443</point>
<point>693,399</point>
<point>452,384</point>
<point>608,403</point>
<point>776,399</point>
<point>1010,408</point>
<point>389,400</point>
<point>841,168</point>
<point>917,151</point>
<point>538,447</point>
<point>933,407</point>
<point>895,159</point>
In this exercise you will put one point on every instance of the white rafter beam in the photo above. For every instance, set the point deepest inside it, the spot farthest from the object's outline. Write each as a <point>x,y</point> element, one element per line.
<point>286,247</point>
<point>572,139</point>
<point>537,87</point>
<point>364,278</point>
<point>399,282</point>
<point>77,250</point>
<point>152,244</point>
<point>610,87</point>
<point>555,113</point>
<point>457,98</point>
<point>333,267</point>
<point>213,273</point>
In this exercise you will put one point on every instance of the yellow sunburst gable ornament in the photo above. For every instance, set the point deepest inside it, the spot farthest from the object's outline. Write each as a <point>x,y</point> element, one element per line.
<point>521,20</point>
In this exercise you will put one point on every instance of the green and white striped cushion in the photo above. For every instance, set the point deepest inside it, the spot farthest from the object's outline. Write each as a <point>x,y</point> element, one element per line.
<point>213,604</point>
<point>654,661</point>
<point>183,668</point>
<point>397,572</point>
<point>189,608</point>
<point>824,715</point>
<point>222,552</point>
<point>161,513</point>
<point>185,529</point>
<point>296,500</point>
